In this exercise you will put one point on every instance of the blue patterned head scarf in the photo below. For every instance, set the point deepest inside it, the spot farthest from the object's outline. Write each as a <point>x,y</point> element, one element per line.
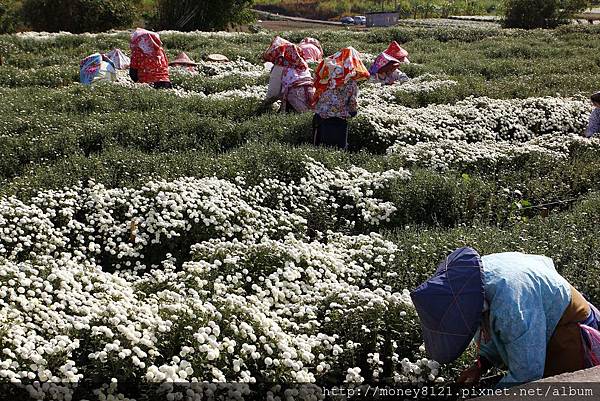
<point>450,305</point>
<point>89,68</point>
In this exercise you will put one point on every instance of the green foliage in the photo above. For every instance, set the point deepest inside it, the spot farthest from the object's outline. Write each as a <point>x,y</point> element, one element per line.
<point>570,239</point>
<point>78,15</point>
<point>9,16</point>
<point>529,14</point>
<point>407,8</point>
<point>205,15</point>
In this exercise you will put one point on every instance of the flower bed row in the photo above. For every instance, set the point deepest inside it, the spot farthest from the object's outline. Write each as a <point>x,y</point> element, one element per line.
<point>485,191</point>
<point>461,155</point>
<point>477,119</point>
<point>274,307</point>
<point>151,121</point>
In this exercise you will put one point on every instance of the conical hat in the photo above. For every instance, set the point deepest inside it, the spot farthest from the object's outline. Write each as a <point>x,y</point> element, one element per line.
<point>217,57</point>
<point>183,59</point>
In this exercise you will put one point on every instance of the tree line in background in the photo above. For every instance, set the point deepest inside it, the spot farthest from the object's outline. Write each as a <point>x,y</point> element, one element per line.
<point>100,15</point>
<point>541,13</point>
<point>78,16</point>
<point>328,9</point>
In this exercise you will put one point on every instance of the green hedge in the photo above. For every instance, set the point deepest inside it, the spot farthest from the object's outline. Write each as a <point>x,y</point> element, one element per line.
<point>428,198</point>
<point>570,239</point>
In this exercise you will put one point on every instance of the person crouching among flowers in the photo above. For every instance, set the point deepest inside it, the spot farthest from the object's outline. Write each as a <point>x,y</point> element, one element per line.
<point>149,63</point>
<point>97,67</point>
<point>385,68</point>
<point>290,80</point>
<point>336,96</point>
<point>184,63</point>
<point>311,50</point>
<point>523,315</point>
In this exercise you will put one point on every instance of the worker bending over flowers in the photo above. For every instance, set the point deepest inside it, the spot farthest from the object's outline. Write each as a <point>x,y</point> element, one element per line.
<point>149,63</point>
<point>336,95</point>
<point>385,68</point>
<point>523,314</point>
<point>290,79</point>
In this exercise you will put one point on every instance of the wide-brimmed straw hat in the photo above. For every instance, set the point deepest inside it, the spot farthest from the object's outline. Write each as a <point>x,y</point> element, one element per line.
<point>450,305</point>
<point>183,59</point>
<point>220,58</point>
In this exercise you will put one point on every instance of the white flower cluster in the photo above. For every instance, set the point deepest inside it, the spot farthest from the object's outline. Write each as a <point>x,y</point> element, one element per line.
<point>477,119</point>
<point>419,371</point>
<point>213,280</point>
<point>41,35</point>
<point>238,67</point>
<point>123,227</point>
<point>257,92</point>
<point>447,154</point>
<point>373,95</point>
<point>239,311</point>
<point>208,35</point>
<point>328,187</point>
<point>368,58</point>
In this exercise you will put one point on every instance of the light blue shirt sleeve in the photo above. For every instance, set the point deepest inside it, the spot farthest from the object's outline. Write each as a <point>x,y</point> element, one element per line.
<point>527,298</point>
<point>490,352</point>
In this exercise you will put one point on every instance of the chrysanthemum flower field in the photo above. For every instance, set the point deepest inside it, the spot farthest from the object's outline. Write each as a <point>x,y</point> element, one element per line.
<point>188,236</point>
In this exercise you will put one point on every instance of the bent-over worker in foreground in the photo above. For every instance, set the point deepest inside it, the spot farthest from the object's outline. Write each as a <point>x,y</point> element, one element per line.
<point>524,316</point>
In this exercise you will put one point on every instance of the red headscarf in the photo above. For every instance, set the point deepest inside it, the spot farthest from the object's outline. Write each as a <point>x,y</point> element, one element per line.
<point>285,54</point>
<point>148,57</point>
<point>338,70</point>
<point>396,52</point>
<point>311,49</point>
<point>393,54</point>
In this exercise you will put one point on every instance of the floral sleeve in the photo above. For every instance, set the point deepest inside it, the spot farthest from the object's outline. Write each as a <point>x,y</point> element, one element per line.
<point>352,97</point>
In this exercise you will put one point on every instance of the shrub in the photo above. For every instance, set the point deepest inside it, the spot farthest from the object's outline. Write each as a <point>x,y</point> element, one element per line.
<point>78,15</point>
<point>529,14</point>
<point>9,18</point>
<point>204,15</point>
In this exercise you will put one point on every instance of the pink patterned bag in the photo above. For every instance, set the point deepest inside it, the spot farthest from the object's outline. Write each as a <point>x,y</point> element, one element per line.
<point>590,339</point>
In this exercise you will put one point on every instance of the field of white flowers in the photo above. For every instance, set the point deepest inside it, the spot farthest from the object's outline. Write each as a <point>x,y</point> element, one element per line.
<point>187,236</point>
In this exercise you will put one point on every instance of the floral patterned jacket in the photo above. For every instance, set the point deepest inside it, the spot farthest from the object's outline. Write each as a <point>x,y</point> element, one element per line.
<point>341,102</point>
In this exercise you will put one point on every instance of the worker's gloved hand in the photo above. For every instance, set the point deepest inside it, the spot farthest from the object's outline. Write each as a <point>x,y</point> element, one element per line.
<point>470,375</point>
